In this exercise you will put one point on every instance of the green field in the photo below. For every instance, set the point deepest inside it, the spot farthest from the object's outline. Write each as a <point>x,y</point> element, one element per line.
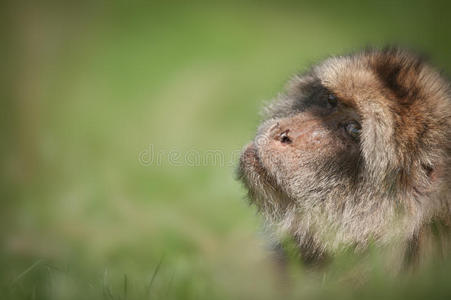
<point>121,125</point>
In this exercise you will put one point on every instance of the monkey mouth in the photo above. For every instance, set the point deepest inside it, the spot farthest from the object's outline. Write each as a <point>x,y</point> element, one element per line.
<point>252,172</point>
<point>250,161</point>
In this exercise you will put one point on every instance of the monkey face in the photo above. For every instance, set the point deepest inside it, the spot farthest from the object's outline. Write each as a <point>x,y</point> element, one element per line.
<point>349,148</point>
<point>295,149</point>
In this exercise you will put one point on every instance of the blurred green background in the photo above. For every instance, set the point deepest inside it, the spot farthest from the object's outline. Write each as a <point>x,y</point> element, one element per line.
<point>93,91</point>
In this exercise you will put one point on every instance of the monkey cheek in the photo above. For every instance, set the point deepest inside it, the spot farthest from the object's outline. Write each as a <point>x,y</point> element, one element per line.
<point>279,163</point>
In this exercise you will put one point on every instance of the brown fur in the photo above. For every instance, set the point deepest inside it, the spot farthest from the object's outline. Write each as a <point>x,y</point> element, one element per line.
<point>329,190</point>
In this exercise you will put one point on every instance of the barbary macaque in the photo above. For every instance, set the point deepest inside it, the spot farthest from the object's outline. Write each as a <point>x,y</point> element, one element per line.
<point>355,152</point>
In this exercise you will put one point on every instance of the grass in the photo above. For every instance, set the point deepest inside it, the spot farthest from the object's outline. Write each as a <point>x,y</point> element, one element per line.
<point>90,86</point>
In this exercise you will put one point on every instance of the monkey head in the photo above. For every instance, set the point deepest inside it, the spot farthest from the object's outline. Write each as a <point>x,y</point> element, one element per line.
<point>356,150</point>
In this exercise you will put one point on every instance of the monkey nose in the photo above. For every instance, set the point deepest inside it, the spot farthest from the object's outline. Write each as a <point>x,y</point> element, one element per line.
<point>284,137</point>
<point>280,134</point>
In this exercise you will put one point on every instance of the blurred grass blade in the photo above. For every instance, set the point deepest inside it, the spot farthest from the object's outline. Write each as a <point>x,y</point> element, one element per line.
<point>107,294</point>
<point>125,286</point>
<point>155,272</point>
<point>28,270</point>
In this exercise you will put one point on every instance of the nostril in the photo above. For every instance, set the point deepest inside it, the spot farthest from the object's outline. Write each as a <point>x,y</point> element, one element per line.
<point>284,138</point>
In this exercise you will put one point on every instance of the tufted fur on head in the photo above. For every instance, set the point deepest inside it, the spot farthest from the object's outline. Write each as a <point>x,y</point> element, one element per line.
<point>355,151</point>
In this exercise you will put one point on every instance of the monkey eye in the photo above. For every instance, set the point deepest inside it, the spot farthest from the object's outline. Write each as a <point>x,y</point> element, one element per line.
<point>332,100</point>
<point>353,129</point>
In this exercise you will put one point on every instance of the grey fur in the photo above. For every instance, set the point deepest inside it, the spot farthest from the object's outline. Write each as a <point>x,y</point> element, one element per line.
<point>388,188</point>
